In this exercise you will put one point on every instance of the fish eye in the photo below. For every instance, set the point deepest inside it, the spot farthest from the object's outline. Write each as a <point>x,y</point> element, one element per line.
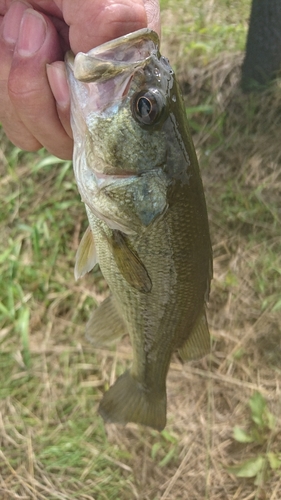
<point>147,107</point>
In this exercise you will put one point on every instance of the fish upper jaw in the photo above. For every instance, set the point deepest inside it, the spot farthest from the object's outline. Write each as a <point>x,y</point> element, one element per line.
<point>124,54</point>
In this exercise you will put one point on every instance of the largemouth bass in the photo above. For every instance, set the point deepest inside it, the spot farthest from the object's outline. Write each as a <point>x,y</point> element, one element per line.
<point>137,173</point>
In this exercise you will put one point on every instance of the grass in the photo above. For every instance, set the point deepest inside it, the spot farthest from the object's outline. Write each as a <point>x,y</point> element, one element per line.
<point>199,31</point>
<point>222,440</point>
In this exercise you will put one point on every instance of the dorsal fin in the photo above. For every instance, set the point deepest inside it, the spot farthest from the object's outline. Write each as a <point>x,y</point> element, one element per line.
<point>198,343</point>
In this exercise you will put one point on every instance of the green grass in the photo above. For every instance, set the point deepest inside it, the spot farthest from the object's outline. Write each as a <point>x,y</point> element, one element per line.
<point>203,30</point>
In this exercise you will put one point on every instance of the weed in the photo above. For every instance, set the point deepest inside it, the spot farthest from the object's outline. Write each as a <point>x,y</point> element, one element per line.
<point>165,449</point>
<point>261,434</point>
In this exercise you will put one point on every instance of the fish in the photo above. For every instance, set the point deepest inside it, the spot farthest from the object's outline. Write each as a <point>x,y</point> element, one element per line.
<point>137,173</point>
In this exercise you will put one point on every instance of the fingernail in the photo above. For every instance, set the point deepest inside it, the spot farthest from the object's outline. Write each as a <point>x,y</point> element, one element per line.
<point>11,22</point>
<point>58,83</point>
<point>32,33</point>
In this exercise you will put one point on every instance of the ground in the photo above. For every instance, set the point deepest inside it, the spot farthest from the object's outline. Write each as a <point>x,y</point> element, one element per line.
<point>223,436</point>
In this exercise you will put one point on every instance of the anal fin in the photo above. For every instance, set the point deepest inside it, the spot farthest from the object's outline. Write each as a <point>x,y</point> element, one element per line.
<point>198,343</point>
<point>105,325</point>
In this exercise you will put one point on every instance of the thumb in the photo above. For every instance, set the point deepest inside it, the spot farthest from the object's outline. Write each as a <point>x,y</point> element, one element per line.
<point>93,22</point>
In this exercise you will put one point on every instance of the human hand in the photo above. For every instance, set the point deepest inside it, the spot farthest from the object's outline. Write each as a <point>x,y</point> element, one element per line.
<point>34,37</point>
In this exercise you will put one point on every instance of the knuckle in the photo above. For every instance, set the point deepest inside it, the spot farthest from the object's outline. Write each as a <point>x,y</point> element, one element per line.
<point>20,90</point>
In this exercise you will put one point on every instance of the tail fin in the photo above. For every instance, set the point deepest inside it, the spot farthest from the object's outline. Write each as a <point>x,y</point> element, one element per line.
<point>128,401</point>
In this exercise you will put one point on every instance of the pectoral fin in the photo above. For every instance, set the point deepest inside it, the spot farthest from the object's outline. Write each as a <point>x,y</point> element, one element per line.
<point>115,223</point>
<point>105,325</point>
<point>86,256</point>
<point>198,343</point>
<point>129,263</point>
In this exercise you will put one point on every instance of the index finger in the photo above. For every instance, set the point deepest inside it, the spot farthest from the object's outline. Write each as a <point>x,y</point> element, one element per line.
<point>47,7</point>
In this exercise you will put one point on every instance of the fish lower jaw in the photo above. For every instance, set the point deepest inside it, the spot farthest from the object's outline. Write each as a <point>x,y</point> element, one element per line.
<point>102,179</point>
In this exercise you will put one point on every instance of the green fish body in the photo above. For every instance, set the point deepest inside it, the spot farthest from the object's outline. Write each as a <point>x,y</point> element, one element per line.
<point>138,175</point>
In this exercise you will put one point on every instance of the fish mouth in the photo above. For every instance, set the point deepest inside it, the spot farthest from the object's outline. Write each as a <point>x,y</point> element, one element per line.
<point>102,77</point>
<point>122,55</point>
